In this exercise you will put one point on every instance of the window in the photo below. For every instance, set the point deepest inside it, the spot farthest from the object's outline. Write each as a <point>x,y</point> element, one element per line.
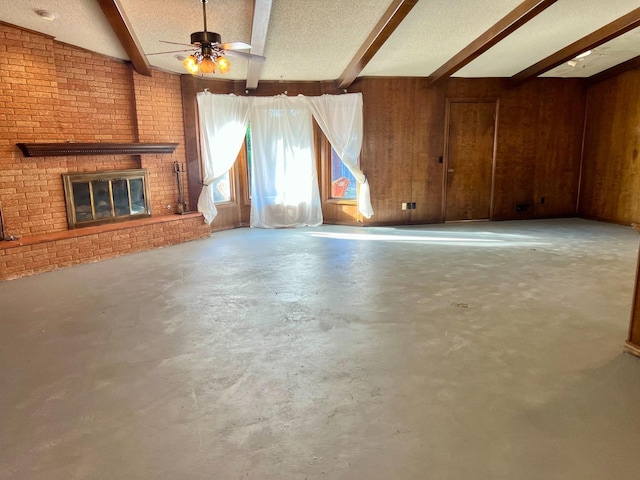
<point>343,183</point>
<point>222,188</point>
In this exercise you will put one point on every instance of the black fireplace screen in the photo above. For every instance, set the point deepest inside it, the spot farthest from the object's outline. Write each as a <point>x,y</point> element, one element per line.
<point>104,197</point>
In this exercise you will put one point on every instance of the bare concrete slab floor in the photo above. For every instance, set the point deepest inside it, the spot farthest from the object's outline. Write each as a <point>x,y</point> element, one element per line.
<point>458,351</point>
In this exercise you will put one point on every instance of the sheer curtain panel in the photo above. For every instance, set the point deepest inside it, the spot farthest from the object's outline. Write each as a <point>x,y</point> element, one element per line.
<point>340,118</point>
<point>223,125</point>
<point>284,190</point>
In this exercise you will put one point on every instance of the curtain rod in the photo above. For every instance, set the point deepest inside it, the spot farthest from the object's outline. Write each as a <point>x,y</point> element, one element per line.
<point>285,92</point>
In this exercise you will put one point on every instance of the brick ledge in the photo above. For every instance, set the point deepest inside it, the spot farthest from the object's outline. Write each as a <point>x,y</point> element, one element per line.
<point>83,232</point>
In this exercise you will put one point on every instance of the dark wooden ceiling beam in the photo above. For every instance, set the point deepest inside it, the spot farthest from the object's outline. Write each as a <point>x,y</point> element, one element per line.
<point>520,15</point>
<point>610,31</point>
<point>390,20</point>
<point>631,64</point>
<point>259,29</point>
<point>121,26</point>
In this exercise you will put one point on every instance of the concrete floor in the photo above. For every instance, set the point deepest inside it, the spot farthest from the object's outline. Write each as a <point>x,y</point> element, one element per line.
<point>458,351</point>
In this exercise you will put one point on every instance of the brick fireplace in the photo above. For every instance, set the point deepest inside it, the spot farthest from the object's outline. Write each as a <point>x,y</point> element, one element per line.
<point>57,93</point>
<point>99,198</point>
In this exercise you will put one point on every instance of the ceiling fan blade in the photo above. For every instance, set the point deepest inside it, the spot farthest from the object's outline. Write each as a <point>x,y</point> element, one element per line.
<point>235,46</point>
<point>247,56</point>
<point>175,43</point>
<point>172,51</point>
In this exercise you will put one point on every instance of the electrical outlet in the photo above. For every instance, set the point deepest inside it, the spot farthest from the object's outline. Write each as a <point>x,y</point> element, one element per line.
<point>413,205</point>
<point>404,206</point>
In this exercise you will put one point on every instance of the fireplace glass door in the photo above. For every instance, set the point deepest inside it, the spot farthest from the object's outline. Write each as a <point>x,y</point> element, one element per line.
<point>105,197</point>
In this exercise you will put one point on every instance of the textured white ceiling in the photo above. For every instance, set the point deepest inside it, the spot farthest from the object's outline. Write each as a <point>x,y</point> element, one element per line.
<point>560,25</point>
<point>432,33</point>
<point>315,40</point>
<point>79,22</point>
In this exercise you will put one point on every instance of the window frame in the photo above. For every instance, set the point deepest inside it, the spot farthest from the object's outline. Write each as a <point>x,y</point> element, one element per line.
<point>243,168</point>
<point>232,188</point>
<point>326,177</point>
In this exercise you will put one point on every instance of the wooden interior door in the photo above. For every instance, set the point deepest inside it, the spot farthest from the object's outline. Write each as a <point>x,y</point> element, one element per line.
<point>469,156</point>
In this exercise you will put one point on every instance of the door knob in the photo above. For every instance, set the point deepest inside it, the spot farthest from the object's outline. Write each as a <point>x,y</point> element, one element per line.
<point>450,170</point>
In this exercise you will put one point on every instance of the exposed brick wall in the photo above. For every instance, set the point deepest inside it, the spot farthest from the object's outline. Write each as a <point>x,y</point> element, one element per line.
<point>28,112</point>
<point>160,119</point>
<point>20,261</point>
<point>96,97</point>
<point>53,92</point>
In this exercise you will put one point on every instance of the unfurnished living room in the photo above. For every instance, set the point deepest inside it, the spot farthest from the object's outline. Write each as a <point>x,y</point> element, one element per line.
<point>376,239</point>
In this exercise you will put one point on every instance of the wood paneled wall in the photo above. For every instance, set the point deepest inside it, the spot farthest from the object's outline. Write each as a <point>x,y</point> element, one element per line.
<point>539,141</point>
<point>611,161</point>
<point>403,138</point>
<point>537,152</point>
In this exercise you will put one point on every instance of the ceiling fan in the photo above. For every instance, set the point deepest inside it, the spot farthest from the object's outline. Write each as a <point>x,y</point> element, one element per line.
<point>210,51</point>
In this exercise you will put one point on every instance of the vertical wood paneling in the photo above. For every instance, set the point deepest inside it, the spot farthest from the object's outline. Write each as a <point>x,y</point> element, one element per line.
<point>402,143</point>
<point>388,145</point>
<point>228,217</point>
<point>558,149</point>
<point>539,133</point>
<point>538,145</point>
<point>611,158</point>
<point>516,152</point>
<point>427,172</point>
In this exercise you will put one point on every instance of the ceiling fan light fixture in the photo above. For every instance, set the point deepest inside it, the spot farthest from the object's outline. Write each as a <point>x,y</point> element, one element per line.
<point>208,51</point>
<point>191,64</point>
<point>223,65</point>
<point>207,66</point>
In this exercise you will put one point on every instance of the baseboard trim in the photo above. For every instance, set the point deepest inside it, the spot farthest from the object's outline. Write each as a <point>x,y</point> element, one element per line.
<point>632,349</point>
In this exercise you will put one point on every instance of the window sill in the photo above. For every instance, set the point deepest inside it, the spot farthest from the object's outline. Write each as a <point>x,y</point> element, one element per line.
<point>342,201</point>
<point>228,204</point>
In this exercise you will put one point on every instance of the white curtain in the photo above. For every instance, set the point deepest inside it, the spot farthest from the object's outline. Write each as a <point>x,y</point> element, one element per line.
<point>223,125</point>
<point>284,183</point>
<point>340,118</point>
